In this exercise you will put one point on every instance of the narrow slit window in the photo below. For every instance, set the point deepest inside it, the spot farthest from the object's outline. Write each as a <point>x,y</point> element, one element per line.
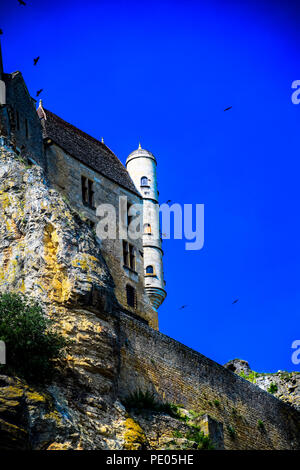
<point>125,253</point>
<point>131,296</point>
<point>91,193</point>
<point>84,189</point>
<point>132,262</point>
<point>88,193</point>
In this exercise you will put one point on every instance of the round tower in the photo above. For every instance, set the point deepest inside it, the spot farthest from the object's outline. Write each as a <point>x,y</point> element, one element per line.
<point>141,166</point>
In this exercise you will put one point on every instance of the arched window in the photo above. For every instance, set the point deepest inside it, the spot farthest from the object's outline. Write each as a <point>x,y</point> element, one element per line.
<point>150,270</point>
<point>144,181</point>
<point>147,228</point>
<point>131,296</point>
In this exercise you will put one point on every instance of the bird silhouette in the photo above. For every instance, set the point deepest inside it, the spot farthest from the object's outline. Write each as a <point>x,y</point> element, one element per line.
<point>235,301</point>
<point>227,109</point>
<point>1,32</point>
<point>35,61</point>
<point>21,2</point>
<point>183,306</point>
<point>39,92</point>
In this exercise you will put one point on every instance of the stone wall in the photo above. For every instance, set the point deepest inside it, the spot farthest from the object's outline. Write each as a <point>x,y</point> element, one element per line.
<point>252,418</point>
<point>19,121</point>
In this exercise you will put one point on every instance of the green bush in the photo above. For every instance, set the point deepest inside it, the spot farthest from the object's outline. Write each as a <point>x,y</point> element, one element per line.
<point>251,377</point>
<point>231,431</point>
<point>260,425</point>
<point>140,400</point>
<point>31,343</point>
<point>273,388</point>
<point>198,436</point>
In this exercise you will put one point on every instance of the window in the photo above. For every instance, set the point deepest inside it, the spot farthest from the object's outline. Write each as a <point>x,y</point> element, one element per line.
<point>150,271</point>
<point>144,181</point>
<point>131,296</point>
<point>125,253</point>
<point>87,188</point>
<point>147,228</point>
<point>91,193</point>
<point>84,189</point>
<point>129,255</point>
<point>132,257</point>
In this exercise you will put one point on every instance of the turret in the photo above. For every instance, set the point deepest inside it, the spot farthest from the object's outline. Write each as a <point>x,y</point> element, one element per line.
<point>141,166</point>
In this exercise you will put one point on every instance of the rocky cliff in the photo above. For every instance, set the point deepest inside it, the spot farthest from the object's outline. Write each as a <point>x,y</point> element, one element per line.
<point>282,384</point>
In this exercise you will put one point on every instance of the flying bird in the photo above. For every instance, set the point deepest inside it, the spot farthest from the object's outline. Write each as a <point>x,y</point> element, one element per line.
<point>1,32</point>
<point>227,109</point>
<point>235,301</point>
<point>21,2</point>
<point>183,306</point>
<point>35,61</point>
<point>39,92</point>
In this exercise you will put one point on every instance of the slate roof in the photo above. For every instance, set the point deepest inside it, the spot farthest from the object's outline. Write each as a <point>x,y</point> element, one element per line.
<point>86,149</point>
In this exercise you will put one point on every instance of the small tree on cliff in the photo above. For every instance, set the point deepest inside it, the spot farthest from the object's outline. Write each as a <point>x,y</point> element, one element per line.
<point>31,343</point>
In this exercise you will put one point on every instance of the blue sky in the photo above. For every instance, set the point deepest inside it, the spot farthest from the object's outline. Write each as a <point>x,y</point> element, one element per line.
<point>162,72</point>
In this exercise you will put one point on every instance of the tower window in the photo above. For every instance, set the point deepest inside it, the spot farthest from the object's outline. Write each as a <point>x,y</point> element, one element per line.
<point>147,228</point>
<point>129,255</point>
<point>87,188</point>
<point>144,181</point>
<point>150,271</point>
<point>131,296</point>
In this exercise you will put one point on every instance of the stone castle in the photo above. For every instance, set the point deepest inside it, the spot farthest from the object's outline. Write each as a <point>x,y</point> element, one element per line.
<point>104,297</point>
<point>88,174</point>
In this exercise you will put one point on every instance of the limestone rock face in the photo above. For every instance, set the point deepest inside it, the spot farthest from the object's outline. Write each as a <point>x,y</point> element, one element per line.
<point>49,253</point>
<point>46,250</point>
<point>238,366</point>
<point>286,386</point>
<point>30,419</point>
<point>283,385</point>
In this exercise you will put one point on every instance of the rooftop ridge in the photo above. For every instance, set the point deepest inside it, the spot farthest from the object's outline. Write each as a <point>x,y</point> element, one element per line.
<point>79,131</point>
<point>86,148</point>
